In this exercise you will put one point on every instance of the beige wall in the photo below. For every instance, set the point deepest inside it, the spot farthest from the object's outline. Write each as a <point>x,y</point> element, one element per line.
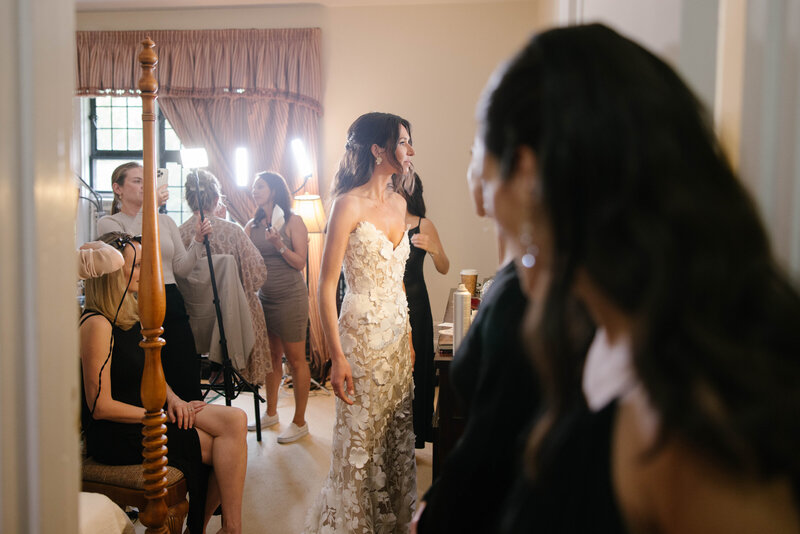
<point>770,122</point>
<point>427,63</point>
<point>39,402</point>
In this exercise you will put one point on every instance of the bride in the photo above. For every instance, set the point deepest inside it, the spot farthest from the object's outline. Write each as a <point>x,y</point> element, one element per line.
<point>371,486</point>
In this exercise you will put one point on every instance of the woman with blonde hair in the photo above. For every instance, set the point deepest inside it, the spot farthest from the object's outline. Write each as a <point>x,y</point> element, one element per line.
<point>229,238</point>
<point>206,442</point>
<point>179,357</point>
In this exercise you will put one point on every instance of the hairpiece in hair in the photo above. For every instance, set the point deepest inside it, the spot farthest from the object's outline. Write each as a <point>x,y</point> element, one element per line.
<point>351,144</point>
<point>120,242</point>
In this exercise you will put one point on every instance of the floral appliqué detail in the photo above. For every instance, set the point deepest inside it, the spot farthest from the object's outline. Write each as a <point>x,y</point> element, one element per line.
<point>371,486</point>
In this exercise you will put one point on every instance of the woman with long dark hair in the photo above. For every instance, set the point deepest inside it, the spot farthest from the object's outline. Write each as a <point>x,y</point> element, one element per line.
<point>371,486</point>
<point>683,417</point>
<point>282,238</point>
<point>424,240</point>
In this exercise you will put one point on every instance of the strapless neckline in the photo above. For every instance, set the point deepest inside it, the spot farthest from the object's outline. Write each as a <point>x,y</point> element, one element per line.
<point>381,233</point>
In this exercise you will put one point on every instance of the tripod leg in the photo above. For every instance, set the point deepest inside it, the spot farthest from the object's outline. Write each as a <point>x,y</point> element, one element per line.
<point>257,410</point>
<point>228,379</point>
<point>320,386</point>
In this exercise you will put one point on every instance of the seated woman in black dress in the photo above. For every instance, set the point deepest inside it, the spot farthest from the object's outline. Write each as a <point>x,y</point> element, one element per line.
<point>206,442</point>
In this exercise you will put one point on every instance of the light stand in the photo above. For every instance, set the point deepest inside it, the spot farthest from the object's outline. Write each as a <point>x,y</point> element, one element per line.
<point>233,383</point>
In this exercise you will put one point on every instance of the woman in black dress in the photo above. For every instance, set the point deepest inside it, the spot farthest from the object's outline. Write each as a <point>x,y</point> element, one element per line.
<point>495,383</point>
<point>683,415</point>
<point>206,442</point>
<point>424,239</point>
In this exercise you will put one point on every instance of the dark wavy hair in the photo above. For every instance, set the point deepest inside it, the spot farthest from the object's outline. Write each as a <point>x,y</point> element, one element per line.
<point>415,204</point>
<point>358,163</point>
<point>282,195</point>
<point>639,194</point>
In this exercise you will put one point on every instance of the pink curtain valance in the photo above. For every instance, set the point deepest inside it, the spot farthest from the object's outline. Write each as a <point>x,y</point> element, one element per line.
<point>278,64</point>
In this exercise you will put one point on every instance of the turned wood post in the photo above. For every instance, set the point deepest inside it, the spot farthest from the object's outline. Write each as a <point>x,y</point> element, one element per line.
<point>151,313</point>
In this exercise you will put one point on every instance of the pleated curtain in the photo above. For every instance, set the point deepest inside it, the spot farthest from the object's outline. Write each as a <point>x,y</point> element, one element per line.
<point>224,89</point>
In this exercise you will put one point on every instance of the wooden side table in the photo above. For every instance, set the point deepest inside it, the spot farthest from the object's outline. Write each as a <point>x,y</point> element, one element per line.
<point>449,419</point>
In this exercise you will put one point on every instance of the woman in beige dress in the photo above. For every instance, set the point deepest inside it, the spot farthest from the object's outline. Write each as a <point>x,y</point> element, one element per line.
<point>282,238</point>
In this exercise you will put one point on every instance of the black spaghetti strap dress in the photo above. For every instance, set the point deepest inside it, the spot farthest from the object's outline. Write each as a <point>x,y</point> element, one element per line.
<point>114,443</point>
<point>419,311</point>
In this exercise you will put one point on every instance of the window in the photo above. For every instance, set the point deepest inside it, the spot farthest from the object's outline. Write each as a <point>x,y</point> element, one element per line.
<point>116,138</point>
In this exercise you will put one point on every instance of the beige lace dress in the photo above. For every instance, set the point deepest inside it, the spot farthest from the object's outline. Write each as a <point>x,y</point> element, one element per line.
<point>371,486</point>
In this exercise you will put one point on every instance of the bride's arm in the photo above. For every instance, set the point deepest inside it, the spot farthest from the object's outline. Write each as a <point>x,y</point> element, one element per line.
<point>344,216</point>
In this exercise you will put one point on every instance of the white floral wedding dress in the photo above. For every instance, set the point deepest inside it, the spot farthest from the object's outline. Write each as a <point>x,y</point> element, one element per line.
<point>371,486</point>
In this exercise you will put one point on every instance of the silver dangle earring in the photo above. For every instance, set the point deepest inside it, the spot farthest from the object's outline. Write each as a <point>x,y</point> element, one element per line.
<point>526,240</point>
<point>378,160</point>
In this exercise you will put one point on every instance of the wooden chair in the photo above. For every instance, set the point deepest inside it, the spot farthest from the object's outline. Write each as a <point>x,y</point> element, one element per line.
<point>124,484</point>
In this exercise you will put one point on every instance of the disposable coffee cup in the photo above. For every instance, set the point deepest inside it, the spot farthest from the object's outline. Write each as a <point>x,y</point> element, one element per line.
<point>469,277</point>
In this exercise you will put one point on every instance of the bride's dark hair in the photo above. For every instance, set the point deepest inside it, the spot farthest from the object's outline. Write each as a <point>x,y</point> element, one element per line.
<point>357,164</point>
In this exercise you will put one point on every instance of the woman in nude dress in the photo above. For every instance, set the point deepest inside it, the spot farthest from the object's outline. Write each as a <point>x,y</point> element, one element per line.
<point>282,238</point>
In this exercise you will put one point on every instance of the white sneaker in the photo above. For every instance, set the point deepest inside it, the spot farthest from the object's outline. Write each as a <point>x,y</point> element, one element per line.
<point>293,433</point>
<point>266,422</point>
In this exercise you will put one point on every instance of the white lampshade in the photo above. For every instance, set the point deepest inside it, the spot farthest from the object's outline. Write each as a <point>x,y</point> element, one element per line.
<point>194,158</point>
<point>309,207</point>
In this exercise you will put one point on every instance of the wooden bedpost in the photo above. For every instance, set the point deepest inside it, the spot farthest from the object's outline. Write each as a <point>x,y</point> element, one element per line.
<point>151,313</point>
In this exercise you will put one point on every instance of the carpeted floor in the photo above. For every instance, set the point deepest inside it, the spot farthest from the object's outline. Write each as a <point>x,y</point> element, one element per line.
<point>283,480</point>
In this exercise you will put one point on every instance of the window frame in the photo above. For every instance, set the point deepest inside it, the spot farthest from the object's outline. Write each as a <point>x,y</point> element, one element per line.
<point>164,156</point>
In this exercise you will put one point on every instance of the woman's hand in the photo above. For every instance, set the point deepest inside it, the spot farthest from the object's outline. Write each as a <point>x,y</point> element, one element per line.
<point>428,240</point>
<point>183,413</point>
<point>201,229</point>
<point>162,194</point>
<point>425,243</point>
<point>273,237</point>
<point>341,377</point>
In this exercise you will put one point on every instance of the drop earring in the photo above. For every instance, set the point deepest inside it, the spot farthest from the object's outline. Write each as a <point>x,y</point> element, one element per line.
<point>378,160</point>
<point>526,240</point>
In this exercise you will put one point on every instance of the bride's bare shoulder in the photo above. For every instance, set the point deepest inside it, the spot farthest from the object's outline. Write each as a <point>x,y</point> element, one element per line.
<point>347,200</point>
<point>346,211</point>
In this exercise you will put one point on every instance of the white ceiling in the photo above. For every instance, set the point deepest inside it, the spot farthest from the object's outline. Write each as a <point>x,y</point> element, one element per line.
<point>106,5</point>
